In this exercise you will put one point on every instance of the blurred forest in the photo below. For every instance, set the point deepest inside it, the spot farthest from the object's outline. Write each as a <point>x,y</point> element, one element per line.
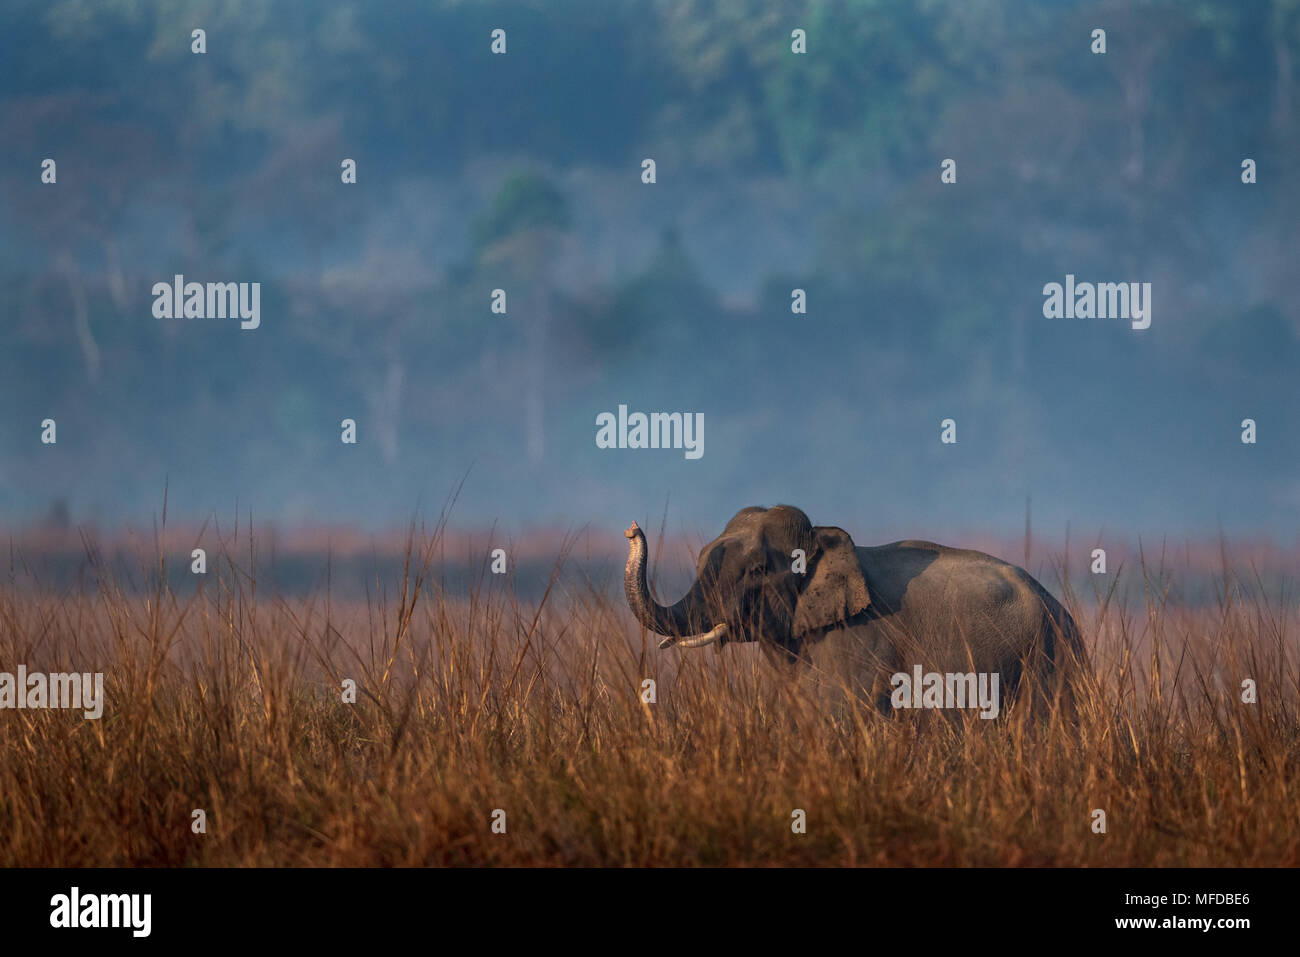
<point>774,171</point>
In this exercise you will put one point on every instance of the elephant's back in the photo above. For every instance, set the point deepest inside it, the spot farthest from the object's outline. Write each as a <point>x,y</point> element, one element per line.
<point>963,602</point>
<point>902,563</point>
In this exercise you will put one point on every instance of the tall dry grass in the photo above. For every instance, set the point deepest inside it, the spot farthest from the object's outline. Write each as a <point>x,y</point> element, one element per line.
<point>228,699</point>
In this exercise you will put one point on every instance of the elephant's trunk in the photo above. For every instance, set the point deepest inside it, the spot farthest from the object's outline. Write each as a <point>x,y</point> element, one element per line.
<point>684,619</point>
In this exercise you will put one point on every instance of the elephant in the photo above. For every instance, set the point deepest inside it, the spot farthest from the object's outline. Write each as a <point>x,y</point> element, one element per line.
<point>861,617</point>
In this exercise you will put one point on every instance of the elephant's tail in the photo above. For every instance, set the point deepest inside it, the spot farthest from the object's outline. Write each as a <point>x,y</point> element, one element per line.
<point>1070,637</point>
<point>1071,671</point>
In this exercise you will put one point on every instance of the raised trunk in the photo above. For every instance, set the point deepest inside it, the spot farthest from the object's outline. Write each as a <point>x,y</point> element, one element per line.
<point>687,617</point>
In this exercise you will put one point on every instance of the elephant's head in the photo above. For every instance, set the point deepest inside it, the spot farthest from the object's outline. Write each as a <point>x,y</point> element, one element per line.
<point>747,587</point>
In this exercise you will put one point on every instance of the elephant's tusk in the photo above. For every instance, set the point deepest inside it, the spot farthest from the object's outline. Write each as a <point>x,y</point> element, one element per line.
<point>717,633</point>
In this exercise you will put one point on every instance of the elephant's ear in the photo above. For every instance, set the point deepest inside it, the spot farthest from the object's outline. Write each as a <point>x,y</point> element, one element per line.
<point>836,590</point>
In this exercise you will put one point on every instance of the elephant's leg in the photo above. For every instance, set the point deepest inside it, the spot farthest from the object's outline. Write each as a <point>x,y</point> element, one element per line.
<point>854,662</point>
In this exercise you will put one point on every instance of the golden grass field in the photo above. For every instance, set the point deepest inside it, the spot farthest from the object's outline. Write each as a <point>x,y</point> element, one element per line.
<point>228,699</point>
